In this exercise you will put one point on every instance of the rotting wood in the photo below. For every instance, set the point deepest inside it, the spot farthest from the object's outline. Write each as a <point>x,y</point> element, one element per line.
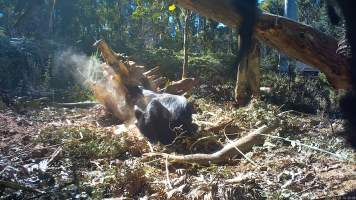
<point>118,89</point>
<point>180,87</point>
<point>133,75</point>
<point>127,71</point>
<point>151,72</point>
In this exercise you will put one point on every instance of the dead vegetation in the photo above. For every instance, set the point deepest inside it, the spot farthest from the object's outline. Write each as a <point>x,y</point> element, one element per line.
<point>257,152</point>
<point>70,153</point>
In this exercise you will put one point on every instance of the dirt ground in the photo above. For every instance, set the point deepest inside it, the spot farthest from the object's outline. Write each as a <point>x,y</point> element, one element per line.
<point>60,153</point>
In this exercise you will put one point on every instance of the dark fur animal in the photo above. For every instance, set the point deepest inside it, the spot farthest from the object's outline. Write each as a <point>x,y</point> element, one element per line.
<point>249,12</point>
<point>158,115</point>
<point>338,9</point>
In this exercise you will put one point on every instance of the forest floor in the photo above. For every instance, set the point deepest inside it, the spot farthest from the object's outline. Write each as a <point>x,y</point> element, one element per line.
<point>60,153</point>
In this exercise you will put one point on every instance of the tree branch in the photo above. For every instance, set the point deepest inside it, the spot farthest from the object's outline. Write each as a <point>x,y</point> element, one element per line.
<point>297,40</point>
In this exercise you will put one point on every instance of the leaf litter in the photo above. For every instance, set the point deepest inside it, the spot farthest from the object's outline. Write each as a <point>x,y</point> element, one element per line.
<point>59,153</point>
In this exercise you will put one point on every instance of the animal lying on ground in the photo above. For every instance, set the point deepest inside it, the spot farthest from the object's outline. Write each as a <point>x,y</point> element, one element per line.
<point>159,115</point>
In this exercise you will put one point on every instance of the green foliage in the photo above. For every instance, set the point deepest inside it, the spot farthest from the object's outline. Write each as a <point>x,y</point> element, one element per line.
<point>202,66</point>
<point>273,6</point>
<point>301,93</point>
<point>83,147</point>
<point>313,12</point>
<point>269,62</point>
<point>83,143</point>
<point>21,64</point>
<point>166,59</point>
<point>211,66</point>
<point>149,31</point>
<point>2,32</point>
<point>79,93</point>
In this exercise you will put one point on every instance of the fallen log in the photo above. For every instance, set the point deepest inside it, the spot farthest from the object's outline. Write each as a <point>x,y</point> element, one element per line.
<point>118,91</point>
<point>151,72</point>
<point>160,82</point>
<point>295,39</point>
<point>180,87</point>
<point>112,59</point>
<point>127,71</point>
<point>229,151</point>
<point>132,75</point>
<point>85,104</point>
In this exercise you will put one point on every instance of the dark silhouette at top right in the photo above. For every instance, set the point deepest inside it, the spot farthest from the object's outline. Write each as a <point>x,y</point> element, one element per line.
<point>338,9</point>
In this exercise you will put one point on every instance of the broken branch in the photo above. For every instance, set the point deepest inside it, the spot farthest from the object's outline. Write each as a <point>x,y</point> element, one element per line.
<point>244,144</point>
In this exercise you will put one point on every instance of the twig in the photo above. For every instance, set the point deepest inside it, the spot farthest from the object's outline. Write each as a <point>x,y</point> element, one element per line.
<point>228,151</point>
<point>309,146</point>
<point>54,155</point>
<point>331,125</point>
<point>237,149</point>
<point>77,104</point>
<point>152,161</point>
<point>150,146</point>
<point>167,175</point>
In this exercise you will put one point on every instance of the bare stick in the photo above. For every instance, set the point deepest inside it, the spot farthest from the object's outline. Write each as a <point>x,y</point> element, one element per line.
<point>231,142</point>
<point>245,144</point>
<point>180,87</point>
<point>167,175</point>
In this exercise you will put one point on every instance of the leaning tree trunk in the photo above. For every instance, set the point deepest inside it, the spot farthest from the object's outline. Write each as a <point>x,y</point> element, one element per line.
<point>297,40</point>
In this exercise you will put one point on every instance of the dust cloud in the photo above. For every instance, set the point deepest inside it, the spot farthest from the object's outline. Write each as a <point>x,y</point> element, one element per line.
<point>100,78</point>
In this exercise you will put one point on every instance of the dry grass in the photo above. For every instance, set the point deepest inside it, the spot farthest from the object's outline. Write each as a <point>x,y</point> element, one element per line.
<point>303,159</point>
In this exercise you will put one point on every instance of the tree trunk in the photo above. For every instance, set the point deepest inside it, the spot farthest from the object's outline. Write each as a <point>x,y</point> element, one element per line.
<point>248,76</point>
<point>297,40</point>
<point>230,41</point>
<point>290,11</point>
<point>185,44</point>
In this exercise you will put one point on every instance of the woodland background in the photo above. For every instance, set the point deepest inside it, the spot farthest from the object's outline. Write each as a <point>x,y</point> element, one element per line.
<point>49,150</point>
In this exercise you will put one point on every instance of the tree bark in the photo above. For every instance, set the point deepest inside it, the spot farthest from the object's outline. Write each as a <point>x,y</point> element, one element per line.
<point>248,76</point>
<point>180,87</point>
<point>185,43</point>
<point>230,150</point>
<point>117,91</point>
<point>297,40</point>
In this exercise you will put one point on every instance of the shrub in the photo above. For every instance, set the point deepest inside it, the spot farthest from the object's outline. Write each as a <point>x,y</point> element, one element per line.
<point>301,93</point>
